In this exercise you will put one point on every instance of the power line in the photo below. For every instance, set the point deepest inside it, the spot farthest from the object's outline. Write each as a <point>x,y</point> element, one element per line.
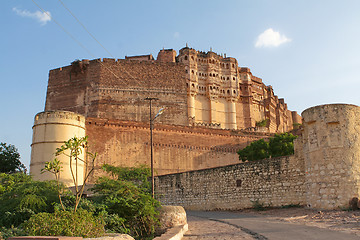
<point>81,45</point>
<point>83,26</point>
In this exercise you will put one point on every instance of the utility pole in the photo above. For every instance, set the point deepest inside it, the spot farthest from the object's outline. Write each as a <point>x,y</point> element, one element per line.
<point>151,119</point>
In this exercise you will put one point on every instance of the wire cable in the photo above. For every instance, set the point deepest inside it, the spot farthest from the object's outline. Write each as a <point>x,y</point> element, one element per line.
<point>82,46</point>
<point>83,26</point>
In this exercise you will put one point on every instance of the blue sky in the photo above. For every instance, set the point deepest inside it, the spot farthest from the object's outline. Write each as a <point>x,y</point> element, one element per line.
<point>309,51</point>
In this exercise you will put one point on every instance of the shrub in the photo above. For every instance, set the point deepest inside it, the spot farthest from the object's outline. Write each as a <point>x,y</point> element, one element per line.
<point>279,145</point>
<point>258,206</point>
<point>65,223</point>
<point>262,123</point>
<point>21,197</point>
<point>129,204</point>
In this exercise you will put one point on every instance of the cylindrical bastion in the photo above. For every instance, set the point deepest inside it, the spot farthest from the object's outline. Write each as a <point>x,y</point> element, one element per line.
<point>51,129</point>
<point>332,155</point>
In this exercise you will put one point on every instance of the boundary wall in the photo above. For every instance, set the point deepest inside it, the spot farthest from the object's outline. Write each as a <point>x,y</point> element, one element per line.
<point>176,148</point>
<point>272,182</point>
<point>323,173</point>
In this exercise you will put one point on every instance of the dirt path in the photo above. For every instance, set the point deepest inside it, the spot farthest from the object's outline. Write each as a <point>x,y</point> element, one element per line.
<point>344,221</point>
<point>204,229</point>
<point>274,224</point>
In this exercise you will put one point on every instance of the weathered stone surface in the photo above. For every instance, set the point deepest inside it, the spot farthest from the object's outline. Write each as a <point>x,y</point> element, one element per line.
<point>171,216</point>
<point>323,173</point>
<point>113,237</point>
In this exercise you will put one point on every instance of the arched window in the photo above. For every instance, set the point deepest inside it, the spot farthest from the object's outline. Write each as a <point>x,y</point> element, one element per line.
<point>228,91</point>
<point>185,57</point>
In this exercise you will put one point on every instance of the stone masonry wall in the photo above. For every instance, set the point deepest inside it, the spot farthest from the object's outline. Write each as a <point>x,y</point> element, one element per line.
<point>116,89</point>
<point>176,148</point>
<point>273,182</point>
<point>331,143</point>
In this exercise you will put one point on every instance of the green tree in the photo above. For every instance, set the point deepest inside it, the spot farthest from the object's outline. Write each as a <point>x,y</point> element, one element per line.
<point>127,197</point>
<point>21,197</point>
<point>282,144</point>
<point>73,148</point>
<point>255,151</point>
<point>10,159</point>
<point>279,145</point>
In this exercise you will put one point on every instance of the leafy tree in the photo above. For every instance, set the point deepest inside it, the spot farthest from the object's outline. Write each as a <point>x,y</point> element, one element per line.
<point>128,201</point>
<point>21,197</point>
<point>279,145</point>
<point>10,159</point>
<point>255,151</point>
<point>282,144</point>
<point>73,148</point>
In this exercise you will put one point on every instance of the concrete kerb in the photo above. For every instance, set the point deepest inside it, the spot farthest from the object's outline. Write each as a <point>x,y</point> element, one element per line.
<point>175,233</point>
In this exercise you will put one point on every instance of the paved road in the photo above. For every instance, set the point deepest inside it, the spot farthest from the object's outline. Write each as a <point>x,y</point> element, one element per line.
<point>263,228</point>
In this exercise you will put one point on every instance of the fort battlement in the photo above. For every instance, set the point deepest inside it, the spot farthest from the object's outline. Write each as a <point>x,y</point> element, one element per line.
<point>323,173</point>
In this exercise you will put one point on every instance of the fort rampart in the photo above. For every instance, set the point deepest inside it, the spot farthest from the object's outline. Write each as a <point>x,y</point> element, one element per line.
<point>323,173</point>
<point>272,182</point>
<point>176,148</point>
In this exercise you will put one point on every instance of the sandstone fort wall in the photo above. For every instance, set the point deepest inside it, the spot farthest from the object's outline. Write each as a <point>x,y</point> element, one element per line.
<point>272,182</point>
<point>176,148</point>
<point>323,173</point>
<point>197,89</point>
<point>331,143</point>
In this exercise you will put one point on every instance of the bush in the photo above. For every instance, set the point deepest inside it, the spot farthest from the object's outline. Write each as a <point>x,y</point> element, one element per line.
<point>129,204</point>
<point>262,123</point>
<point>21,197</point>
<point>65,223</point>
<point>279,145</point>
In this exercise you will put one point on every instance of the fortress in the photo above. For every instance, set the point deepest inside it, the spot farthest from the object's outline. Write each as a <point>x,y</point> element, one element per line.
<point>212,109</point>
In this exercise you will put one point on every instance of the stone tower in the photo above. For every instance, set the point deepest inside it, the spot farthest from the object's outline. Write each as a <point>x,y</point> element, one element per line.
<point>51,129</point>
<point>331,143</point>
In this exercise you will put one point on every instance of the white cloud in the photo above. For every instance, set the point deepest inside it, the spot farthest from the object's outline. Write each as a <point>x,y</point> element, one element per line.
<point>270,38</point>
<point>176,35</point>
<point>42,17</point>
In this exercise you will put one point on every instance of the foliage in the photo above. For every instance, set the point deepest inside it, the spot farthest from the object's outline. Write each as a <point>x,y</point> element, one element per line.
<point>297,125</point>
<point>137,175</point>
<point>258,206</point>
<point>5,233</point>
<point>128,201</point>
<point>282,145</point>
<point>73,148</point>
<point>262,123</point>
<point>255,151</point>
<point>279,145</point>
<point>21,197</point>
<point>10,159</point>
<point>65,223</point>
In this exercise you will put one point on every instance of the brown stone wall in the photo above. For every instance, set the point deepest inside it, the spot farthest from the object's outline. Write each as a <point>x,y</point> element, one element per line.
<point>176,148</point>
<point>117,89</point>
<point>272,182</point>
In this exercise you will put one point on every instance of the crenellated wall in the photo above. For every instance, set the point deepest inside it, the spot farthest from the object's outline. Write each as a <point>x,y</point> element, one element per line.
<point>196,88</point>
<point>176,148</point>
<point>323,173</point>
